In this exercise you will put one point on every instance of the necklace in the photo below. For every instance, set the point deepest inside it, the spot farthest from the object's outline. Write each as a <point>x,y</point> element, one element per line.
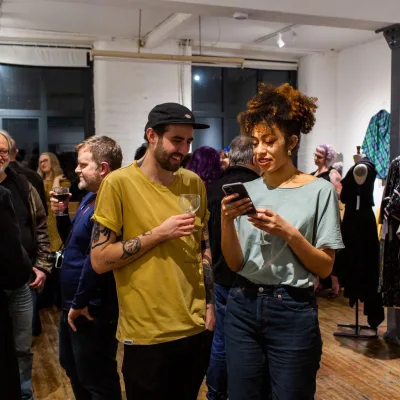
<point>289,180</point>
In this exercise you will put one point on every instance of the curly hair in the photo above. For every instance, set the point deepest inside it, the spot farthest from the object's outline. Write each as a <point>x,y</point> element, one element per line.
<point>205,162</point>
<point>329,151</point>
<point>283,107</point>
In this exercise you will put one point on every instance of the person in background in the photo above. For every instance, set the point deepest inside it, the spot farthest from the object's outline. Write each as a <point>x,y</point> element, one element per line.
<point>15,271</point>
<point>272,336</point>
<point>162,266</point>
<point>224,158</point>
<point>52,175</point>
<point>34,178</point>
<point>324,157</point>
<point>242,168</point>
<point>89,316</point>
<point>35,240</point>
<point>205,163</point>
<point>141,151</point>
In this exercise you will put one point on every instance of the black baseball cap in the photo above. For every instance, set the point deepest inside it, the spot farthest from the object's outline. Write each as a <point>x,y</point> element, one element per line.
<point>172,113</point>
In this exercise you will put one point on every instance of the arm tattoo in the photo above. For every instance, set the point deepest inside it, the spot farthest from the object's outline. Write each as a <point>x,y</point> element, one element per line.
<point>208,282</point>
<point>99,230</point>
<point>147,233</point>
<point>130,248</point>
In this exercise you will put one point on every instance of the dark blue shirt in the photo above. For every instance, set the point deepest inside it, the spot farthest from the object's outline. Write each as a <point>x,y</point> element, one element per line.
<point>80,284</point>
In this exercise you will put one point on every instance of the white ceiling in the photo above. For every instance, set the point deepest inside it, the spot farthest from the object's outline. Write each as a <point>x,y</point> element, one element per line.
<point>107,19</point>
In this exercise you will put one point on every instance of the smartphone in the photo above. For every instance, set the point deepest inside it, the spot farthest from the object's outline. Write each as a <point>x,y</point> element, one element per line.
<point>239,188</point>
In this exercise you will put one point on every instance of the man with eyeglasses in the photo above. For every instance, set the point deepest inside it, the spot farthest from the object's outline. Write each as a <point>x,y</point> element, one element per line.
<point>35,240</point>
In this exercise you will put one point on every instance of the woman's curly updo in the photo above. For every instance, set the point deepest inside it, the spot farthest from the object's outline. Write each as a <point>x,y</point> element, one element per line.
<point>283,107</point>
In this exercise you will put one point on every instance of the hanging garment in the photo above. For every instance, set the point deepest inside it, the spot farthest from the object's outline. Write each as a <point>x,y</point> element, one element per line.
<point>358,264</point>
<point>390,213</point>
<point>376,144</point>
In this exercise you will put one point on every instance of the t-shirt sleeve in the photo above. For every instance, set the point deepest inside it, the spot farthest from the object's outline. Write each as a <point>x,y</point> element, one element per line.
<point>328,235</point>
<point>108,210</point>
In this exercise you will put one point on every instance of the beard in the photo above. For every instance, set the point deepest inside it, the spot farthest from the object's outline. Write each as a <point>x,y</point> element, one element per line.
<point>166,159</point>
<point>91,184</point>
<point>3,166</point>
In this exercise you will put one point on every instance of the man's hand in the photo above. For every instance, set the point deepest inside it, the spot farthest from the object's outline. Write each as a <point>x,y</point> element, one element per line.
<point>74,314</point>
<point>56,205</point>
<point>177,226</point>
<point>210,317</point>
<point>38,283</point>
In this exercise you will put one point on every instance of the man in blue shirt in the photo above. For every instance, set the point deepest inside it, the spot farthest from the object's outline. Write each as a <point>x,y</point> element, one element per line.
<point>89,302</point>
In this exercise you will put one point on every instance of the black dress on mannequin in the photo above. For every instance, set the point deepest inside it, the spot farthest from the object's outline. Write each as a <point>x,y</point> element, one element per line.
<point>391,212</point>
<point>358,264</point>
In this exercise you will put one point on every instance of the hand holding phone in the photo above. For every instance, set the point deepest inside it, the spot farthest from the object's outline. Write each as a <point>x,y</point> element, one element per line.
<point>239,189</point>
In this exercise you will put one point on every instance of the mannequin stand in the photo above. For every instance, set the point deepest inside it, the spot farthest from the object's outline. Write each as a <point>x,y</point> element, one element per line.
<point>356,329</point>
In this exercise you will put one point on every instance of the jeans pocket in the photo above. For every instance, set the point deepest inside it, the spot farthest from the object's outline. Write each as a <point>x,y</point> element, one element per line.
<point>234,292</point>
<point>294,304</point>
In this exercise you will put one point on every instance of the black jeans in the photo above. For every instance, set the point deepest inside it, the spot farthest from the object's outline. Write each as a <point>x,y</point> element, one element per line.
<point>172,370</point>
<point>89,355</point>
<point>273,343</point>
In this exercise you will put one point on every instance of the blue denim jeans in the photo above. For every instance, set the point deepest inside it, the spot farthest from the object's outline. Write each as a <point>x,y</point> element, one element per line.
<point>20,307</point>
<point>89,355</point>
<point>217,376</point>
<point>273,344</point>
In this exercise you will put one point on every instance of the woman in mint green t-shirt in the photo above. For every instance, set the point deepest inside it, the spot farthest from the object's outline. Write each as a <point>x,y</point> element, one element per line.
<point>273,341</point>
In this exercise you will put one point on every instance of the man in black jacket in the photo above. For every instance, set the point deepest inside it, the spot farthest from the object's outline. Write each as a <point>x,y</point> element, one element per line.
<point>14,272</point>
<point>242,168</point>
<point>35,240</point>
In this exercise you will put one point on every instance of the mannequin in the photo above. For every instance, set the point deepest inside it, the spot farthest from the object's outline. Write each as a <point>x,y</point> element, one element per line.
<point>358,264</point>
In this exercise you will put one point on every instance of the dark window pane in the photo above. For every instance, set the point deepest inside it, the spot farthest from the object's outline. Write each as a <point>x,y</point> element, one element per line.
<point>240,85</point>
<point>64,133</point>
<point>208,137</point>
<point>65,89</point>
<point>278,78</point>
<point>19,87</point>
<point>231,130</point>
<point>25,132</point>
<point>207,94</point>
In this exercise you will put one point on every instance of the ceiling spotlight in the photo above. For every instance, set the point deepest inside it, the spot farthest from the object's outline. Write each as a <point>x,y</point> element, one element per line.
<point>280,41</point>
<point>196,78</point>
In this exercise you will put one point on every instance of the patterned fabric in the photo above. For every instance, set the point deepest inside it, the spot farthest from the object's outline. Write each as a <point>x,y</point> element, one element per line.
<point>376,145</point>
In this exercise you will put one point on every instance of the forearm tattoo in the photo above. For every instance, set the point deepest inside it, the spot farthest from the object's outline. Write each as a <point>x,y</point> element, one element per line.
<point>208,282</point>
<point>99,230</point>
<point>130,248</point>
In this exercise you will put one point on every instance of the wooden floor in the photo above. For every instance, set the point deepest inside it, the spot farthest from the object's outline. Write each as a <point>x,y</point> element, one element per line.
<point>350,370</point>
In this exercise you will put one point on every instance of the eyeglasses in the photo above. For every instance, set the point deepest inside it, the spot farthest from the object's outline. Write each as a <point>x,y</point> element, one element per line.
<point>3,152</point>
<point>318,156</point>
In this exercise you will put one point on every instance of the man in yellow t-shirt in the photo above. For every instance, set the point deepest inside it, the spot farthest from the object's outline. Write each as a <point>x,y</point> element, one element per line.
<point>161,260</point>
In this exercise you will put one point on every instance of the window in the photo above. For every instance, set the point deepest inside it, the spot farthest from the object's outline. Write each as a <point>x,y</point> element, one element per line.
<point>46,109</point>
<point>220,94</point>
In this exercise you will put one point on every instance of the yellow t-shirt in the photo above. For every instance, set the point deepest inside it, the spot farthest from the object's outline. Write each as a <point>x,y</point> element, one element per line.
<point>161,295</point>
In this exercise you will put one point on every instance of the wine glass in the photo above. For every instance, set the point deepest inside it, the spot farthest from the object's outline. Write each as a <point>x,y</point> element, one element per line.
<point>61,194</point>
<point>189,204</point>
<point>261,240</point>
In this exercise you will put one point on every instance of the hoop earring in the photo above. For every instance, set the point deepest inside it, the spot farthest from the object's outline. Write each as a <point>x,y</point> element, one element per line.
<point>289,153</point>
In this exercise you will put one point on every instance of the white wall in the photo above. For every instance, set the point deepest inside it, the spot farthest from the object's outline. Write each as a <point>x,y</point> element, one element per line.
<point>352,86</point>
<point>318,78</point>
<point>126,90</point>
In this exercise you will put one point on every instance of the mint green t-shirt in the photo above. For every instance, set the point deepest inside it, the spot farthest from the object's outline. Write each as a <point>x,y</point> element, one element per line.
<point>312,209</point>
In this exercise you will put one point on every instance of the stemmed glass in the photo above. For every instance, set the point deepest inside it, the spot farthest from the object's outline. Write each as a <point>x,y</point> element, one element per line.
<point>262,234</point>
<point>189,204</point>
<point>61,194</point>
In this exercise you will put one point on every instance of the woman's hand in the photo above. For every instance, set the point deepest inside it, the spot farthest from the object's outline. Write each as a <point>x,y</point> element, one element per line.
<point>270,222</point>
<point>232,209</point>
<point>58,179</point>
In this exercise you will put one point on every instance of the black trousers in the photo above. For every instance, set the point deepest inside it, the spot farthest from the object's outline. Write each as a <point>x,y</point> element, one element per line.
<point>89,355</point>
<point>10,387</point>
<point>172,370</point>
